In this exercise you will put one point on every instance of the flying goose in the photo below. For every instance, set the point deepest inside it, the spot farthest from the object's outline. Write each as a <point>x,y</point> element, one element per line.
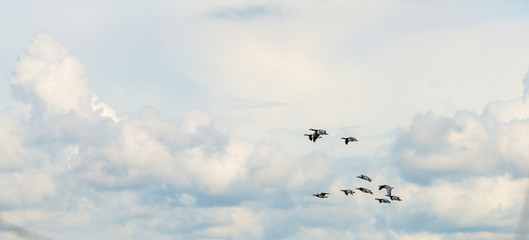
<point>349,139</point>
<point>382,200</point>
<point>317,134</point>
<point>364,190</point>
<point>319,131</point>
<point>364,177</point>
<point>395,198</point>
<point>321,195</point>
<point>348,191</point>
<point>311,137</point>
<point>387,187</point>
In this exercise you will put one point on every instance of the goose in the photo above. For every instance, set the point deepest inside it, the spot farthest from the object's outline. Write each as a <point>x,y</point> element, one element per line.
<point>387,187</point>
<point>311,137</point>
<point>382,200</point>
<point>319,131</point>
<point>348,191</point>
<point>365,177</point>
<point>317,134</point>
<point>395,198</point>
<point>365,190</point>
<point>349,139</point>
<point>321,195</point>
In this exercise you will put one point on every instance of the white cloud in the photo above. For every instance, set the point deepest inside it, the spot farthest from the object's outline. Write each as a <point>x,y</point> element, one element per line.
<point>24,188</point>
<point>12,152</point>
<point>445,145</point>
<point>245,224</point>
<point>465,204</point>
<point>241,168</point>
<point>493,142</point>
<point>133,150</point>
<point>53,81</point>
<point>192,121</point>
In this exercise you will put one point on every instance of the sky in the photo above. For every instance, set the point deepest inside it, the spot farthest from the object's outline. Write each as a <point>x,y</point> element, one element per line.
<point>185,119</point>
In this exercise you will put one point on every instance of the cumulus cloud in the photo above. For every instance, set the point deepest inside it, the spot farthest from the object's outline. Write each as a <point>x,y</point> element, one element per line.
<point>471,203</point>
<point>25,188</point>
<point>493,142</point>
<point>245,174</point>
<point>446,145</point>
<point>13,155</point>
<point>468,170</point>
<point>54,82</point>
<point>65,148</point>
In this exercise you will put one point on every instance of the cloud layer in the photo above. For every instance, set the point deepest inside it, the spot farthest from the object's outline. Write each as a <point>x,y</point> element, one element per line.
<point>64,147</point>
<point>72,167</point>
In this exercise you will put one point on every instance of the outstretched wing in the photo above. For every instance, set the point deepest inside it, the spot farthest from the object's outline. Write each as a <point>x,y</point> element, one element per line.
<point>389,191</point>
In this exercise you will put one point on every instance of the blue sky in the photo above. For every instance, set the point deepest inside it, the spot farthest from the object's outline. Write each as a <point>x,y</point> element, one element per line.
<point>185,120</point>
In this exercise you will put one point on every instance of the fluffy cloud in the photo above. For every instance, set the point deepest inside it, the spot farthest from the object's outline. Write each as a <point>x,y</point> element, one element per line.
<point>25,188</point>
<point>64,143</point>
<point>12,152</point>
<point>490,143</point>
<point>53,81</point>
<point>241,169</point>
<point>471,203</point>
<point>468,171</point>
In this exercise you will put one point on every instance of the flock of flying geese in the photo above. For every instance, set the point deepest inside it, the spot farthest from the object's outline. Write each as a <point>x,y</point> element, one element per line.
<point>318,133</point>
